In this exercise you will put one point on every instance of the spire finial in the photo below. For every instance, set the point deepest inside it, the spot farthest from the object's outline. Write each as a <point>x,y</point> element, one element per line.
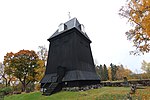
<point>69,16</point>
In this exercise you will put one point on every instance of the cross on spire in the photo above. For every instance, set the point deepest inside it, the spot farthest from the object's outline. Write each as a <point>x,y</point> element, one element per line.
<point>69,16</point>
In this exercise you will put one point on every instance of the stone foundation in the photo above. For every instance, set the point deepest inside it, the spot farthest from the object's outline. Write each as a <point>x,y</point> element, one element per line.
<point>82,88</point>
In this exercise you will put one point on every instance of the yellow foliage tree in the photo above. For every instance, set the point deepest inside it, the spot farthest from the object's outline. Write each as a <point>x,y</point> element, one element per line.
<point>122,72</point>
<point>40,70</point>
<point>42,54</point>
<point>138,13</point>
<point>109,73</point>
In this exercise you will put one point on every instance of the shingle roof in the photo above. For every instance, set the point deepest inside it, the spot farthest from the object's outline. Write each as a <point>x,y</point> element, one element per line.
<point>73,23</point>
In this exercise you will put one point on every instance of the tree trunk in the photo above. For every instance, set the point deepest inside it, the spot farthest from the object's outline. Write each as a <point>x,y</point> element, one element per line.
<point>23,86</point>
<point>6,83</point>
<point>5,80</point>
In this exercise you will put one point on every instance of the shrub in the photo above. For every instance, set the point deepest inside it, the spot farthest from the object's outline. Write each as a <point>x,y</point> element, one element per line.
<point>18,87</point>
<point>37,87</point>
<point>7,90</point>
<point>1,95</point>
<point>2,85</point>
<point>30,87</point>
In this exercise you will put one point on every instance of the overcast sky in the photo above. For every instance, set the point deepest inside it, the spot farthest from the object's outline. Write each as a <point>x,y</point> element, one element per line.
<point>27,24</point>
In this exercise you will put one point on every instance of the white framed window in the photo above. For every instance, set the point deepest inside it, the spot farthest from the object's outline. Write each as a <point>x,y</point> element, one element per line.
<point>61,27</point>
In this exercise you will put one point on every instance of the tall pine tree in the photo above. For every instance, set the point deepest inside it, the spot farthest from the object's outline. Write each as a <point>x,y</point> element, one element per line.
<point>105,73</point>
<point>113,71</point>
<point>101,72</point>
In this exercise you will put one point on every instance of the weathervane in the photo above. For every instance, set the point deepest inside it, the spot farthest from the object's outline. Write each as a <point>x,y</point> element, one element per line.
<point>69,16</point>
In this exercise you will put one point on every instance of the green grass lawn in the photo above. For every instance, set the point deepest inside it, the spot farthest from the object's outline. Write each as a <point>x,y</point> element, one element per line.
<point>104,93</point>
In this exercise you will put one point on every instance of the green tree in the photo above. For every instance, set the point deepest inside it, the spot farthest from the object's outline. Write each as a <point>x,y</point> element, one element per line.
<point>105,73</point>
<point>101,72</point>
<point>23,65</point>
<point>97,70</point>
<point>138,14</point>
<point>113,72</point>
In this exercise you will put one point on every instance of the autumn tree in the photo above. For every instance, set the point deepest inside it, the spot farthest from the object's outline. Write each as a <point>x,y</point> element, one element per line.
<point>146,66</point>
<point>122,72</point>
<point>8,70</point>
<point>42,54</point>
<point>22,65</point>
<point>109,73</point>
<point>138,14</point>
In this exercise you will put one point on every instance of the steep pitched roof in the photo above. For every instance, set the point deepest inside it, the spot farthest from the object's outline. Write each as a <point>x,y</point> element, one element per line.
<point>73,23</point>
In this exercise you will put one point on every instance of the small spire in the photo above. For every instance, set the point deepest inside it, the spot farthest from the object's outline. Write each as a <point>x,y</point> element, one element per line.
<point>69,16</point>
